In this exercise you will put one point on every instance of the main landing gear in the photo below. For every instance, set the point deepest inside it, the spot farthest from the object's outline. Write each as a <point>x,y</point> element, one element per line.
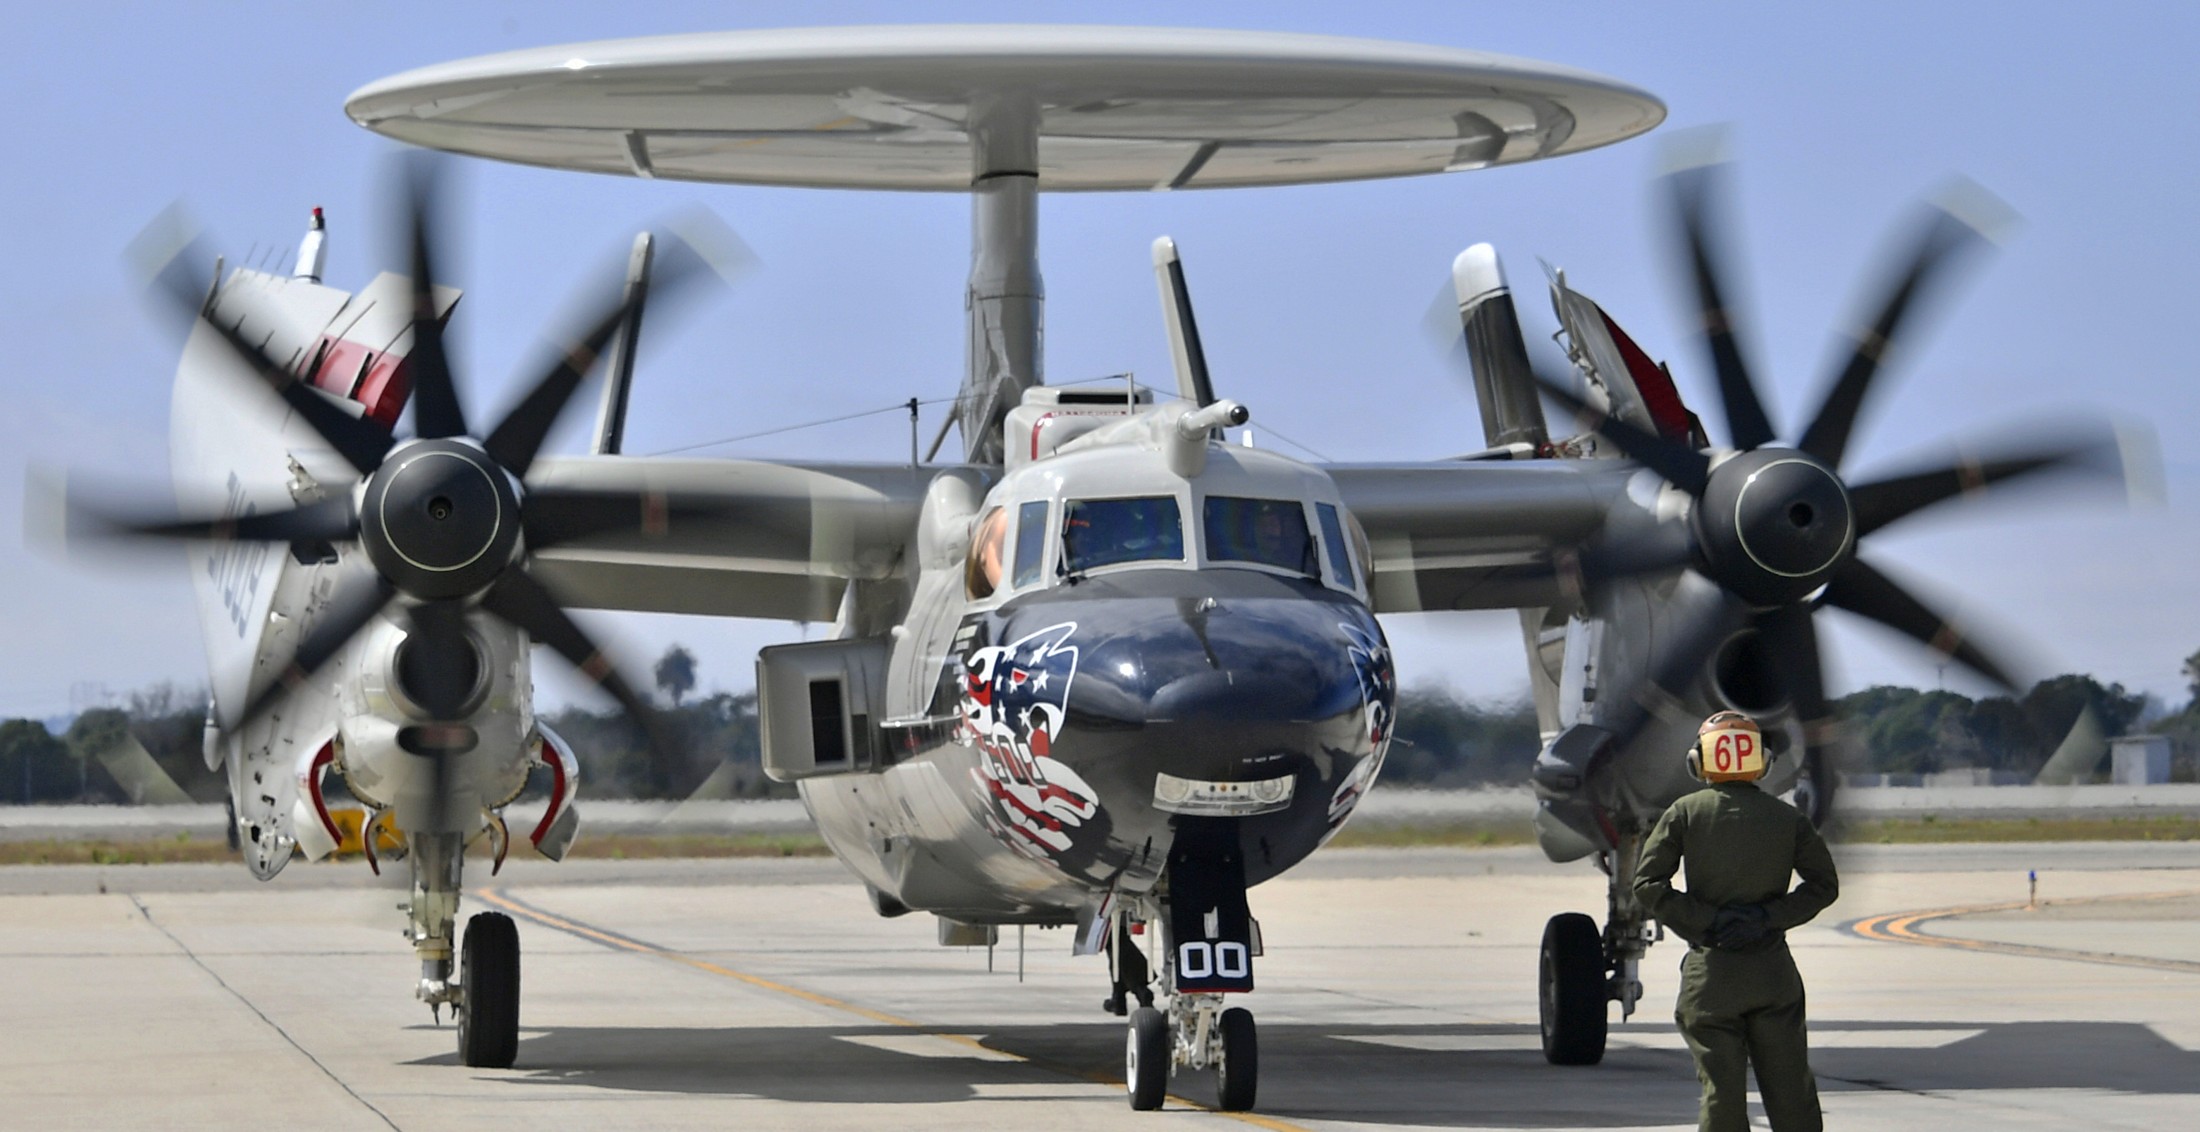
<point>1579,969</point>
<point>1199,927</point>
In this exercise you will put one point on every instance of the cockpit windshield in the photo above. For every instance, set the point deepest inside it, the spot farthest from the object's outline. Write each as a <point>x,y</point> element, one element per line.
<point>1268,532</point>
<point>1103,532</point>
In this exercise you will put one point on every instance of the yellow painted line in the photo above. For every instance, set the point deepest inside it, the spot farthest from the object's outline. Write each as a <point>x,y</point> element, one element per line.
<point>499,899</point>
<point>1903,927</point>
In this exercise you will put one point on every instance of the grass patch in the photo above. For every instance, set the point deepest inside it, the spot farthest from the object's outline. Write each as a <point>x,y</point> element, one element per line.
<point>1943,828</point>
<point>1919,830</point>
<point>627,847</point>
<point>182,849</point>
<point>148,851</point>
<point>1467,834</point>
<point>1419,835</point>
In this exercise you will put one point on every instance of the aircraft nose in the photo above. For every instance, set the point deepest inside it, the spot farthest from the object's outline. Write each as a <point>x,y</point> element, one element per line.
<point>1220,685</point>
<point>1258,666</point>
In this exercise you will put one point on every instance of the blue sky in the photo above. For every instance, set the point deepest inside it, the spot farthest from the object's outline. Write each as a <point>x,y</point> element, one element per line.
<point>1310,299</point>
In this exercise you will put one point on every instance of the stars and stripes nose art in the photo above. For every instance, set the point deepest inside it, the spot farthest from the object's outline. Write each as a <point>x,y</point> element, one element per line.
<point>1013,699</point>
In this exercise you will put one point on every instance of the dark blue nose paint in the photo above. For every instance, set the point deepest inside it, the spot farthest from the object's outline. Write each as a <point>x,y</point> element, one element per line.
<point>1219,675</point>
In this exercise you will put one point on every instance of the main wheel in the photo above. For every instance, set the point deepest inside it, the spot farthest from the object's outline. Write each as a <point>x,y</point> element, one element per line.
<point>1237,1079</point>
<point>1571,990</point>
<point>1146,1058</point>
<point>488,977</point>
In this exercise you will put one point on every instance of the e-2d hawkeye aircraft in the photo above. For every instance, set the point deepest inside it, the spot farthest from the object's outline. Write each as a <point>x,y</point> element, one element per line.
<point>1108,670</point>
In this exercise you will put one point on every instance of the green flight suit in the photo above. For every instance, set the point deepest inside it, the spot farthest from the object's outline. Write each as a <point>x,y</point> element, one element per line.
<point>1743,1007</point>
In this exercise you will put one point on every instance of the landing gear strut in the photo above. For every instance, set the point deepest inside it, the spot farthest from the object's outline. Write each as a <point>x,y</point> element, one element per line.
<point>484,997</point>
<point>1580,969</point>
<point>1192,1031</point>
<point>1204,941</point>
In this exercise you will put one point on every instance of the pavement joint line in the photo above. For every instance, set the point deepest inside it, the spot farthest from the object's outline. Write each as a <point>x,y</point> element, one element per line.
<point>1902,927</point>
<point>223,983</point>
<point>506,901</point>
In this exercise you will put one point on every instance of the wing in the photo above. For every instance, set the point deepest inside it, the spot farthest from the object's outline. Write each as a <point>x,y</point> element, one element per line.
<point>726,538</point>
<point>1477,535</point>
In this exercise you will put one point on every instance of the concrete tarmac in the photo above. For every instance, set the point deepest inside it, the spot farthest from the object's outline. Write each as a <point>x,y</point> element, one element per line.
<point>1397,992</point>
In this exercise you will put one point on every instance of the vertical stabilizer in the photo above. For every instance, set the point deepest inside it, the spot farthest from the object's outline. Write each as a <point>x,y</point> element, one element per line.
<point>1504,386</point>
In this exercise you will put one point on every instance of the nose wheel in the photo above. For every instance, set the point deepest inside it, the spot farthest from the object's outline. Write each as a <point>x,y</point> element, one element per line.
<point>1194,1032</point>
<point>1146,1058</point>
<point>1237,1076</point>
<point>488,1005</point>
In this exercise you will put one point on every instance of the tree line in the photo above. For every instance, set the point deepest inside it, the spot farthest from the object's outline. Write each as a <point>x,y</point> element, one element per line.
<point>1441,739</point>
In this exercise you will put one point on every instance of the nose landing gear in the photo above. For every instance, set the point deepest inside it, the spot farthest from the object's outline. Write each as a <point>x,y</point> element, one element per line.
<point>485,996</point>
<point>1194,1032</point>
<point>1205,941</point>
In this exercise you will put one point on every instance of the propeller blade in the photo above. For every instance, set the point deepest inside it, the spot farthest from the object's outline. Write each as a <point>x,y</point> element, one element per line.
<point>436,411</point>
<point>1888,501</point>
<point>329,520</point>
<point>521,600</point>
<point>520,434</point>
<point>1864,591</point>
<point>1790,643</point>
<point>1692,191</point>
<point>165,253</point>
<point>516,439</point>
<point>1946,236</point>
<point>1682,466</point>
<point>356,602</point>
<point>360,441</point>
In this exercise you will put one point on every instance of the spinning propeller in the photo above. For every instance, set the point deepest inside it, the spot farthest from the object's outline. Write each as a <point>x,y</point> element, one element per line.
<point>445,519</point>
<point>1774,530</point>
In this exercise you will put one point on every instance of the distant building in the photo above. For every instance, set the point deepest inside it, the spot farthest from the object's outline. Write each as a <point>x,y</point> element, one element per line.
<point>2138,760</point>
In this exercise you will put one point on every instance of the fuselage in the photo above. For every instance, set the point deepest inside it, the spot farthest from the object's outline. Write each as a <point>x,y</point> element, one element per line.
<point>1133,650</point>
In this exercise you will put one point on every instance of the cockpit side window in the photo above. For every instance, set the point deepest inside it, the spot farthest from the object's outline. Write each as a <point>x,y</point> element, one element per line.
<point>982,572</point>
<point>1031,542</point>
<point>1103,532</point>
<point>1270,532</point>
<point>1340,555</point>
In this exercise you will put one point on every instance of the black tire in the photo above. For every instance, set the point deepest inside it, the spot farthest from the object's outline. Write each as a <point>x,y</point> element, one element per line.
<point>1146,1058</point>
<point>488,974</point>
<point>1237,1079</point>
<point>1571,990</point>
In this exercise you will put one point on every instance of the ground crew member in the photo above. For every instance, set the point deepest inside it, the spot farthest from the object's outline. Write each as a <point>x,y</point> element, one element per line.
<point>1741,1000</point>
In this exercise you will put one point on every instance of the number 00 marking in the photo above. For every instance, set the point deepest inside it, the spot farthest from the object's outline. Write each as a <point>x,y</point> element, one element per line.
<point>1201,960</point>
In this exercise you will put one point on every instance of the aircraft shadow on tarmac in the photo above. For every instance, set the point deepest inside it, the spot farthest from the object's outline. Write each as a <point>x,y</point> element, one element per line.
<point>1408,1075</point>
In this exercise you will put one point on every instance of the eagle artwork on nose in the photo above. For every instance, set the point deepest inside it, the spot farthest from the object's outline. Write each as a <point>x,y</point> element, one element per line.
<point>1378,698</point>
<point>1013,705</point>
